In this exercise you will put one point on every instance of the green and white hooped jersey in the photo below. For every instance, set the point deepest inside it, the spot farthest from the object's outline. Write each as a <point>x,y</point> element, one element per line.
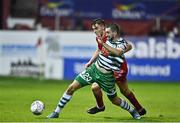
<point>111,62</point>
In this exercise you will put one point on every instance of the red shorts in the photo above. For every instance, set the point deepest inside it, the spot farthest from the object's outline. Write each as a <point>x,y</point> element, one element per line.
<point>122,74</point>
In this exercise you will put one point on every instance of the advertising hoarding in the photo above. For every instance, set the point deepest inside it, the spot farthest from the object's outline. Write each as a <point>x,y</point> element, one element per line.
<point>62,55</point>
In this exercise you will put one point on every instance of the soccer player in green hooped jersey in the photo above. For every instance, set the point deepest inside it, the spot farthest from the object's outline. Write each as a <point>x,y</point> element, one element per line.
<point>101,72</point>
<point>98,26</point>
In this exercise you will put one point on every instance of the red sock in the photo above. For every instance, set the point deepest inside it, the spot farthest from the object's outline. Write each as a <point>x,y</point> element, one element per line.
<point>134,101</point>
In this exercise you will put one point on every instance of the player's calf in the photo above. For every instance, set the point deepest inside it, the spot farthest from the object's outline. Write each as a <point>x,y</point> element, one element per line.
<point>124,105</point>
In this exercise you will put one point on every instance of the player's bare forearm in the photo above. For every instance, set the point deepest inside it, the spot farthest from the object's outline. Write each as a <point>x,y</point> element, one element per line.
<point>95,55</point>
<point>129,47</point>
<point>112,50</point>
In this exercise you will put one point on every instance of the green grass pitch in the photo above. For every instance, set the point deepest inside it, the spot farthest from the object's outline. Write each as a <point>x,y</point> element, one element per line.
<point>162,101</point>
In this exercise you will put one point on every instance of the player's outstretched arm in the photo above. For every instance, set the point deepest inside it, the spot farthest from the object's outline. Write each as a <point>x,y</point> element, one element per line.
<point>93,58</point>
<point>115,51</point>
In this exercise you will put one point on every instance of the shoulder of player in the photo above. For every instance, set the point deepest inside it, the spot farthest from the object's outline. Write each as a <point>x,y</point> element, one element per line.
<point>121,40</point>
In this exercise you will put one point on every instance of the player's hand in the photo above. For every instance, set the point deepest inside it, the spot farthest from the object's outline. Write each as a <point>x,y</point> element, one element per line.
<point>99,39</point>
<point>88,64</point>
<point>105,52</point>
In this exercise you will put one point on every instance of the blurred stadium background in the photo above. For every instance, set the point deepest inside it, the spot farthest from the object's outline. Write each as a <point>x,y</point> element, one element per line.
<point>52,39</point>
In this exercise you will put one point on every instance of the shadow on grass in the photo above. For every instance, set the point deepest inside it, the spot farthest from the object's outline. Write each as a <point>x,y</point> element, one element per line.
<point>108,119</point>
<point>129,119</point>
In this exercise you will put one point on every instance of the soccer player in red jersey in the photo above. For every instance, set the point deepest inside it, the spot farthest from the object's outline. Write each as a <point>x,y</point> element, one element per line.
<point>98,26</point>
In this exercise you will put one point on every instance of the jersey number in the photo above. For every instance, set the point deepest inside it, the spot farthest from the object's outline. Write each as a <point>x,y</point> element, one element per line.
<point>86,76</point>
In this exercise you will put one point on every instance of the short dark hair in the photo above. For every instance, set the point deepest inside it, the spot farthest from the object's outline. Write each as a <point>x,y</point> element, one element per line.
<point>114,28</point>
<point>98,21</point>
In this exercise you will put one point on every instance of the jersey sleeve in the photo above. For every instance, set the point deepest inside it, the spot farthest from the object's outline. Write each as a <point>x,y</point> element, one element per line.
<point>104,38</point>
<point>99,45</point>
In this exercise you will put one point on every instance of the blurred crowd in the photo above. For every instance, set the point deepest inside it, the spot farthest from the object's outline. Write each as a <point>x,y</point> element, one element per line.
<point>29,20</point>
<point>79,24</point>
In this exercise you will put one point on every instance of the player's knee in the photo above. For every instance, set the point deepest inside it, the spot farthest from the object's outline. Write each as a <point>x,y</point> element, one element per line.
<point>71,89</point>
<point>114,99</point>
<point>95,87</point>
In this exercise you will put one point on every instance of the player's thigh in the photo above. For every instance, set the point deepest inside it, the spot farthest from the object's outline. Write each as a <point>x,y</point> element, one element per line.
<point>86,77</point>
<point>75,85</point>
<point>107,84</point>
<point>123,86</point>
